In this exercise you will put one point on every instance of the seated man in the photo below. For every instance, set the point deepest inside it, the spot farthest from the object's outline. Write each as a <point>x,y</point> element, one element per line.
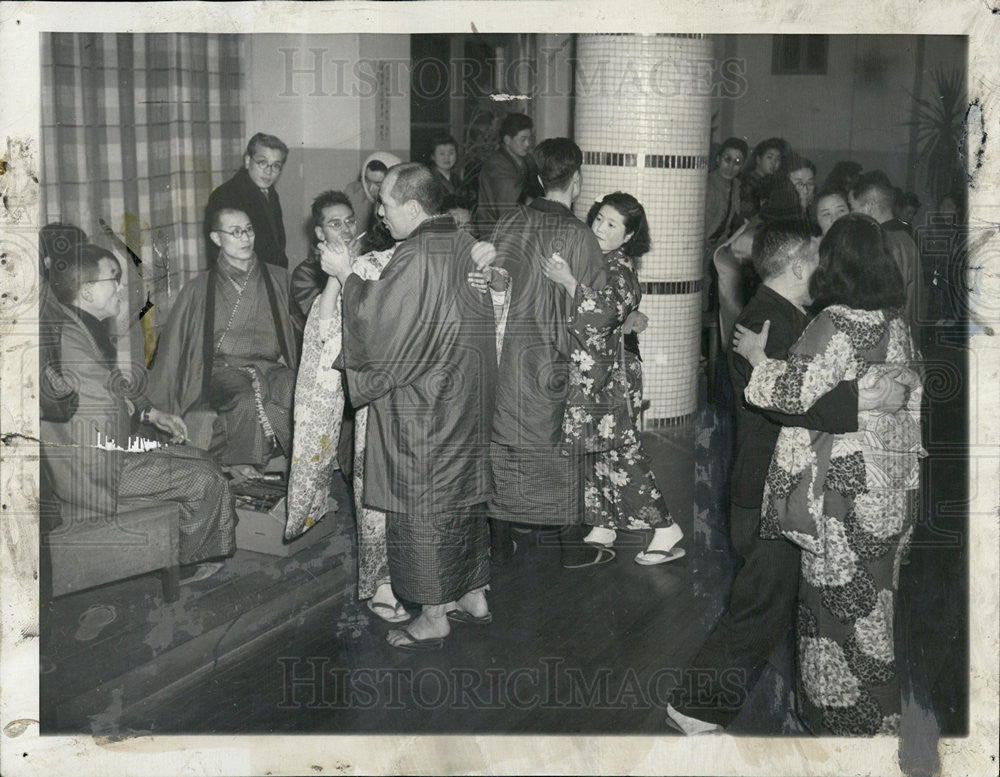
<point>87,470</point>
<point>228,347</point>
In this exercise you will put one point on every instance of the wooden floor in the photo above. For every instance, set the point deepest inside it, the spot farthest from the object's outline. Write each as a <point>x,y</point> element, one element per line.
<point>282,645</point>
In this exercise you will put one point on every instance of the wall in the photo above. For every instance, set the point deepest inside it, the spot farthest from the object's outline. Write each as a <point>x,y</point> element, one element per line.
<point>319,94</point>
<point>858,110</point>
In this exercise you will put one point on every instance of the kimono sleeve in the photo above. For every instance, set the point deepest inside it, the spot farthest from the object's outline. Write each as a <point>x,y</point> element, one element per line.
<point>819,362</point>
<point>389,327</point>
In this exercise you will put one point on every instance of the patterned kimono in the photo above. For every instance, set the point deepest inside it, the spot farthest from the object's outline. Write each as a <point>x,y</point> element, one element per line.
<point>602,411</point>
<point>319,407</point>
<point>847,499</point>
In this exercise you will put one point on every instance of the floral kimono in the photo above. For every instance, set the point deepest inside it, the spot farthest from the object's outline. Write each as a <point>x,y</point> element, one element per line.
<point>602,410</point>
<point>319,408</point>
<point>847,499</point>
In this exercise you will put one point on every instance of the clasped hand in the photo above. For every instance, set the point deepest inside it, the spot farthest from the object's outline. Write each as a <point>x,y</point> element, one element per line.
<point>334,258</point>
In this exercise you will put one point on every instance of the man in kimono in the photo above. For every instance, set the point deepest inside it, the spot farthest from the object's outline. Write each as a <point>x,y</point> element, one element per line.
<point>539,481</point>
<point>419,350</point>
<point>765,590</point>
<point>88,472</point>
<point>229,348</point>
<point>252,191</point>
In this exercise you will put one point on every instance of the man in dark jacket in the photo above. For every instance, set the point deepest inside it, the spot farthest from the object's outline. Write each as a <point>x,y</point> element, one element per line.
<point>762,602</point>
<point>252,191</point>
<point>426,370</point>
<point>508,176</point>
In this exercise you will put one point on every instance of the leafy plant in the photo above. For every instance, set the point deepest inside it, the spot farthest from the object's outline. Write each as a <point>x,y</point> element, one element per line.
<point>940,132</point>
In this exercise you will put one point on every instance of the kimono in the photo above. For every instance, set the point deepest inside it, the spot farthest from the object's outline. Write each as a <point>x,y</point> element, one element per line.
<point>319,407</point>
<point>847,499</point>
<point>537,480</point>
<point>92,474</point>
<point>419,349</point>
<point>242,366</point>
<point>619,488</point>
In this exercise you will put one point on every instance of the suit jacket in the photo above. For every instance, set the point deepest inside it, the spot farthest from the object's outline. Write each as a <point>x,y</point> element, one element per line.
<point>756,429</point>
<point>502,181</point>
<point>265,214</point>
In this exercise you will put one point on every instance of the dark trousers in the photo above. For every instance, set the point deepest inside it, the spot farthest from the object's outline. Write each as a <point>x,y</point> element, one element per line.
<point>719,678</point>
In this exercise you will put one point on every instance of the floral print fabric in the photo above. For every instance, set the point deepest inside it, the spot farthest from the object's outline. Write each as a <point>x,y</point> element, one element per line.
<point>602,411</point>
<point>319,407</point>
<point>848,500</point>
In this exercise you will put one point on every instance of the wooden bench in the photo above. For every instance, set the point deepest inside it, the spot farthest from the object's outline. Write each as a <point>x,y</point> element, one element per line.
<point>141,538</point>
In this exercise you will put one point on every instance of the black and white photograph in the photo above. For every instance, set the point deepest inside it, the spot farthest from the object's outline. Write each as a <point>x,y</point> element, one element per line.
<point>499,388</point>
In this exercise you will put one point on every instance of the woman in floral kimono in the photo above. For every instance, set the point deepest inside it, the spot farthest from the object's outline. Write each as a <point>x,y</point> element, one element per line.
<point>847,499</point>
<point>319,404</point>
<point>602,411</point>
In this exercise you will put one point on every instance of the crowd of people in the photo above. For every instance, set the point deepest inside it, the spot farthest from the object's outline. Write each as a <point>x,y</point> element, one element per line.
<point>470,361</point>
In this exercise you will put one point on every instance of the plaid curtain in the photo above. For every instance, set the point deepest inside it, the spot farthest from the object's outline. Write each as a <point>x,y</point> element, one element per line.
<point>136,132</point>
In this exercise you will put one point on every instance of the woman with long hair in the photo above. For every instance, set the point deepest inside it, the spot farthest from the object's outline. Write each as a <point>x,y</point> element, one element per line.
<point>605,397</point>
<point>846,499</point>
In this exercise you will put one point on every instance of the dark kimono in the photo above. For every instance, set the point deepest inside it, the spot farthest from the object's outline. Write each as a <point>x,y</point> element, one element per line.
<point>242,367</point>
<point>419,350</point>
<point>620,491</point>
<point>537,479</point>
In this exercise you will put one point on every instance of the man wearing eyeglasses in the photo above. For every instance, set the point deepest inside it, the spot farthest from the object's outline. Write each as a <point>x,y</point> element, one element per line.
<point>252,191</point>
<point>86,453</point>
<point>229,347</point>
<point>333,219</point>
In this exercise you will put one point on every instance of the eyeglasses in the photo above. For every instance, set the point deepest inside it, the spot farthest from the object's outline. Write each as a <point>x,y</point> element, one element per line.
<point>273,167</point>
<point>341,223</point>
<point>116,278</point>
<point>238,232</point>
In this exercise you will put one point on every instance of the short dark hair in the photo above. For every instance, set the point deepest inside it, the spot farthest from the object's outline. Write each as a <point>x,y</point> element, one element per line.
<point>830,191</point>
<point>59,242</point>
<point>634,217</point>
<point>513,123</point>
<point>738,143</point>
<point>557,159</point>
<point>84,267</point>
<point>779,198</point>
<point>268,141</point>
<point>377,166</point>
<point>215,216</point>
<point>856,268</point>
<point>798,162</point>
<point>415,182</point>
<point>874,184</point>
<point>775,243</point>
<point>440,139</point>
<point>778,144</point>
<point>843,175</point>
<point>324,200</point>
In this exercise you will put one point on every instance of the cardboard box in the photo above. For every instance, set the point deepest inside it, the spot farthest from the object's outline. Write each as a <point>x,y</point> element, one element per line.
<point>263,532</point>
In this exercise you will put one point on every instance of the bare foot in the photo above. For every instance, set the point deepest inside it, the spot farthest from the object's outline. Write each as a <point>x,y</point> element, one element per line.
<point>429,625</point>
<point>473,603</point>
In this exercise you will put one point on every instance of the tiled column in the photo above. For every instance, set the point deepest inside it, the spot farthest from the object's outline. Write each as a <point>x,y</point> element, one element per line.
<point>642,120</point>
